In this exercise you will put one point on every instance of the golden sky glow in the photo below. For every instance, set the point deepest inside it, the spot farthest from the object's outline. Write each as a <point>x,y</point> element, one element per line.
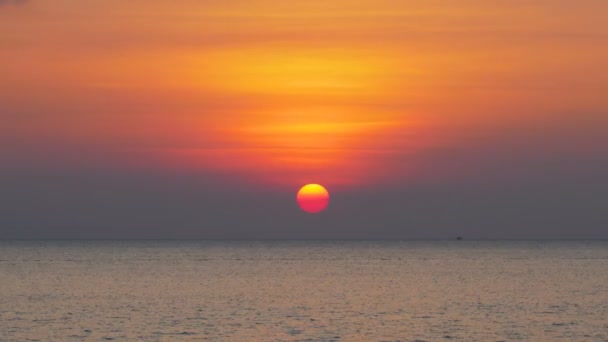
<point>290,92</point>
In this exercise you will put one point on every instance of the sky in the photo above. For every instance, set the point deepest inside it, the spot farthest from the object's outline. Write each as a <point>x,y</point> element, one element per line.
<point>202,119</point>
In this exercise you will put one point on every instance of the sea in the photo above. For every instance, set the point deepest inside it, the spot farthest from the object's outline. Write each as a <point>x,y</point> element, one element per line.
<point>304,290</point>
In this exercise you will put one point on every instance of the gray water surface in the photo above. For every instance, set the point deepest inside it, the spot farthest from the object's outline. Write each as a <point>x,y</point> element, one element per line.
<point>303,291</point>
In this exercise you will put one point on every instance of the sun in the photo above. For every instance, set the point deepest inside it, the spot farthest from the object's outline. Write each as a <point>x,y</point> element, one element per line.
<point>313,198</point>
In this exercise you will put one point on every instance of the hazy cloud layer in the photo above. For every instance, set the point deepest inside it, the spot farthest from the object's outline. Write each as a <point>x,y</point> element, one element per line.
<point>12,2</point>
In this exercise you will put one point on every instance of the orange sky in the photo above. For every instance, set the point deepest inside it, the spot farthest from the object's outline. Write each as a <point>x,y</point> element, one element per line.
<point>341,93</point>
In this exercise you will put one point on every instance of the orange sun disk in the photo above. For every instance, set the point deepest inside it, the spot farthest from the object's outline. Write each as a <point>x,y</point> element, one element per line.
<point>313,198</point>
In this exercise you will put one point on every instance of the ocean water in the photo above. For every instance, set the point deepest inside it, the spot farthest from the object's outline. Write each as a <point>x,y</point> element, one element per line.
<point>303,291</point>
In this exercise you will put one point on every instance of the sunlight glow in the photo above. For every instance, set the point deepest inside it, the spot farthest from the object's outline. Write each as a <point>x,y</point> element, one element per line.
<point>313,198</point>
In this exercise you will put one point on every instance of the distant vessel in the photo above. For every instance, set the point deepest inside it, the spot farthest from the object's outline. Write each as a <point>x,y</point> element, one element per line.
<point>459,238</point>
